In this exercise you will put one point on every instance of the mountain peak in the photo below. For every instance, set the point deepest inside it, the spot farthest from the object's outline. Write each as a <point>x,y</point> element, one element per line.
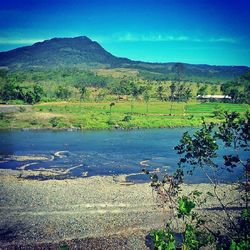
<point>79,38</point>
<point>68,51</point>
<point>67,40</point>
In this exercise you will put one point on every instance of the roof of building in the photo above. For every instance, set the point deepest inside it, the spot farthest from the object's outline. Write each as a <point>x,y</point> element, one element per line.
<point>214,96</point>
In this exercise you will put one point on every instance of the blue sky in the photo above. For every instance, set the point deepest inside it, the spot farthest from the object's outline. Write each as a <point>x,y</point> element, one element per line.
<point>201,31</point>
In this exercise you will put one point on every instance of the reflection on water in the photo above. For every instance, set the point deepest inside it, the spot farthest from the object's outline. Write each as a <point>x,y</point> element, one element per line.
<point>95,152</point>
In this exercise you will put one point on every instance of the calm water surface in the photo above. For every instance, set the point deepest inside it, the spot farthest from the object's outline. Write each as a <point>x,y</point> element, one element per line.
<point>98,152</point>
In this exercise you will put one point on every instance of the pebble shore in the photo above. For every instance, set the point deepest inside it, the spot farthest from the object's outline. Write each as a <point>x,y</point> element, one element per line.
<point>99,212</point>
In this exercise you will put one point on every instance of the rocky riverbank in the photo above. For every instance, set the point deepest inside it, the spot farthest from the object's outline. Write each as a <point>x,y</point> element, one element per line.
<point>83,213</point>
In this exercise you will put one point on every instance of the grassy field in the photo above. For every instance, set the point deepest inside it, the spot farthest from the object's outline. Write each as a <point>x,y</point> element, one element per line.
<point>64,115</point>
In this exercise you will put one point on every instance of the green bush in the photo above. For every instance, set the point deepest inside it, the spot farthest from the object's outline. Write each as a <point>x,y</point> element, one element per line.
<point>127,118</point>
<point>163,239</point>
<point>54,121</point>
<point>22,109</point>
<point>111,121</point>
<point>34,122</point>
<point>2,116</point>
<point>199,149</point>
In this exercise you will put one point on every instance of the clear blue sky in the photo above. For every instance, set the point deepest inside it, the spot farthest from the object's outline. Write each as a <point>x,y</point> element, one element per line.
<point>201,31</point>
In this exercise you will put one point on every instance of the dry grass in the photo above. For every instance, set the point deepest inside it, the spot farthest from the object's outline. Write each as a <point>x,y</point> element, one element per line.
<point>117,73</point>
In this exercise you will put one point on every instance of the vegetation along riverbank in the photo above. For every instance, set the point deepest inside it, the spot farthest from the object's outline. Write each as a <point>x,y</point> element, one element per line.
<point>101,115</point>
<point>117,98</point>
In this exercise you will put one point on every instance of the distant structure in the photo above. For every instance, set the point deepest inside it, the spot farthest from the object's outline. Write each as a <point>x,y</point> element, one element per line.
<point>214,97</point>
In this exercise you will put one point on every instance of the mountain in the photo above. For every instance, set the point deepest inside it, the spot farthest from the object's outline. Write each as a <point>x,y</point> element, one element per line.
<point>84,53</point>
<point>65,52</point>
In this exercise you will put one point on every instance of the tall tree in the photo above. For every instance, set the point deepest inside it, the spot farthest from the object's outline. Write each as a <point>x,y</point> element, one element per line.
<point>238,90</point>
<point>160,92</point>
<point>38,92</point>
<point>202,90</point>
<point>214,89</point>
<point>147,96</point>
<point>63,92</point>
<point>83,92</point>
<point>135,92</point>
<point>112,104</point>
<point>172,90</point>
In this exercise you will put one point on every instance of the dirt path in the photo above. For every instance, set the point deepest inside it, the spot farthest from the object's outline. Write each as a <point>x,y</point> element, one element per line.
<point>4,108</point>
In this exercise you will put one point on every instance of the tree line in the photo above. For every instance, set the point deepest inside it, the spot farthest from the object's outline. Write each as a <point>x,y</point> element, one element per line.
<point>32,87</point>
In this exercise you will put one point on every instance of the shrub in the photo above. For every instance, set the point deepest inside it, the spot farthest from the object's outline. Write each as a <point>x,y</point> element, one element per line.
<point>54,121</point>
<point>127,118</point>
<point>34,122</point>
<point>163,239</point>
<point>111,121</point>
<point>219,112</point>
<point>22,109</point>
<point>2,116</point>
<point>200,150</point>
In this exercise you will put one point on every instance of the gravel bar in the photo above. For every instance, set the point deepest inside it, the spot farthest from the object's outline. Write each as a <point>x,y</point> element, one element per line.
<point>99,212</point>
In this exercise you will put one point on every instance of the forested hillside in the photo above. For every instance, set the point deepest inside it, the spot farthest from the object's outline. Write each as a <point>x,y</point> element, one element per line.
<point>83,53</point>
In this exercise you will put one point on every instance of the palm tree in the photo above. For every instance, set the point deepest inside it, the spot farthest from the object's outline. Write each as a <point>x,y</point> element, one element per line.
<point>83,92</point>
<point>110,106</point>
<point>134,93</point>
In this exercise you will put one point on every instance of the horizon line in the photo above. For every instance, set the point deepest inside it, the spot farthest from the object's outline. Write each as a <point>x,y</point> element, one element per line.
<point>30,42</point>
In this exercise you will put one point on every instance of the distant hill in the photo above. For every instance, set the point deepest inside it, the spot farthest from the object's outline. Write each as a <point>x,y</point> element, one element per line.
<point>63,52</point>
<point>84,53</point>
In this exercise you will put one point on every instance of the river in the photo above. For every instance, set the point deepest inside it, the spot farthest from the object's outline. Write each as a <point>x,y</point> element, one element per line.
<point>89,153</point>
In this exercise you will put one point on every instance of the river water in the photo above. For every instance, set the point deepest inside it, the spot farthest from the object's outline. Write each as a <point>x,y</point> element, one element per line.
<point>89,153</point>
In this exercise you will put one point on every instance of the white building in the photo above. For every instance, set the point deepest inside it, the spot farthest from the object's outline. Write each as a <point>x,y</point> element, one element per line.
<point>214,97</point>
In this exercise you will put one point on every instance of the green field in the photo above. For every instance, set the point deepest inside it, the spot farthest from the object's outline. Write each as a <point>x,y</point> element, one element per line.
<point>64,115</point>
